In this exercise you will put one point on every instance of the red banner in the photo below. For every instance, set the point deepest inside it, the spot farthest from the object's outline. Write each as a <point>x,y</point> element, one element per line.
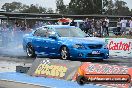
<point>93,68</point>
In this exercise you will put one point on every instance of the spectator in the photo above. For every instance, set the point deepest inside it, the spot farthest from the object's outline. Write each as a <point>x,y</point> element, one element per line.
<point>103,26</point>
<point>98,27</point>
<point>87,25</point>
<point>23,28</point>
<point>93,26</point>
<point>123,26</point>
<point>118,27</point>
<point>107,26</point>
<point>5,35</point>
<point>130,25</point>
<point>73,23</point>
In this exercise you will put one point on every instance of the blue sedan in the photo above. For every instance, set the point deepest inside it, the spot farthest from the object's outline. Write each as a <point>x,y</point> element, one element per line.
<point>66,42</point>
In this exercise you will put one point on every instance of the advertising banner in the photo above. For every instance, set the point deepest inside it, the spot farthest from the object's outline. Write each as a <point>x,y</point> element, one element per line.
<point>53,68</point>
<point>107,72</point>
<point>119,46</point>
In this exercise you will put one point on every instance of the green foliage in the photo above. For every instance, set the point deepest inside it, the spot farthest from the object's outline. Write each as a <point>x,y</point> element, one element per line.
<point>34,9</point>
<point>80,7</point>
<point>12,7</point>
<point>50,10</point>
<point>121,8</point>
<point>108,7</point>
<point>19,7</point>
<point>61,8</point>
<point>85,7</point>
<point>118,7</point>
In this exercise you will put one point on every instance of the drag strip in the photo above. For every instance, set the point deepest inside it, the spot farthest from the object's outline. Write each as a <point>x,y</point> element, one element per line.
<point>12,84</point>
<point>37,82</point>
<point>111,61</point>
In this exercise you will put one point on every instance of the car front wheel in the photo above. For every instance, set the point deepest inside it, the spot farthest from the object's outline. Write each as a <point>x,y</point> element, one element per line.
<point>64,53</point>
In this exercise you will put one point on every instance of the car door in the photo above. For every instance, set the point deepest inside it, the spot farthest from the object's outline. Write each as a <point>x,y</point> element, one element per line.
<point>40,41</point>
<point>53,44</point>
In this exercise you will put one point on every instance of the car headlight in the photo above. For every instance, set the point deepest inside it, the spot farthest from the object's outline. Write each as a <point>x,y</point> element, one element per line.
<point>78,46</point>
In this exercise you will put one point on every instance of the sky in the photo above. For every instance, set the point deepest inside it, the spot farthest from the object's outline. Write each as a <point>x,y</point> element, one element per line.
<point>49,3</point>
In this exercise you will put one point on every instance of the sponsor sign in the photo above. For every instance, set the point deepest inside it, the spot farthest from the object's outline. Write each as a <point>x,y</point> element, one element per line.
<point>54,68</point>
<point>101,72</point>
<point>51,70</point>
<point>108,78</point>
<point>119,46</point>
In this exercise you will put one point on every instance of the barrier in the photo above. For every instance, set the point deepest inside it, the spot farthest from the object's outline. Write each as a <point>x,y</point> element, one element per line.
<point>61,69</point>
<point>119,46</point>
<point>69,70</point>
<point>88,68</point>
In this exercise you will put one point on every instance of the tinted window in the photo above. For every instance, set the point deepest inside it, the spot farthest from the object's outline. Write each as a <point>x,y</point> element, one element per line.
<point>70,32</point>
<point>41,32</point>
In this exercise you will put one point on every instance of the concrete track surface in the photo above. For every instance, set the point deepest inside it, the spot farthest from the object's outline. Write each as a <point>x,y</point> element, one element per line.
<point>12,84</point>
<point>10,58</point>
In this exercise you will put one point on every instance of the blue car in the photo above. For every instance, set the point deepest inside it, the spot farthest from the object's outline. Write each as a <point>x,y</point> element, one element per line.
<point>66,42</point>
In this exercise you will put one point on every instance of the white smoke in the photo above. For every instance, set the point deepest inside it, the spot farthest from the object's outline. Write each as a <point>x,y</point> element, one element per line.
<point>11,43</point>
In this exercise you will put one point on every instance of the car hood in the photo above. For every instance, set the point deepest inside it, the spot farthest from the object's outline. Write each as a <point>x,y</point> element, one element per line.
<point>87,40</point>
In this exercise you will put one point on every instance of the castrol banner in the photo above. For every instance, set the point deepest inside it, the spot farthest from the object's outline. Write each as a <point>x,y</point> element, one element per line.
<point>119,46</point>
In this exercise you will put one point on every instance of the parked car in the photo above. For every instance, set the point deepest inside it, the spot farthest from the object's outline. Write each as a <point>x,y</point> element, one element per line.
<point>67,42</point>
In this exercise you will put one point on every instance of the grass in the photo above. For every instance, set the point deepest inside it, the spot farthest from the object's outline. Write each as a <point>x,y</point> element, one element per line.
<point>122,36</point>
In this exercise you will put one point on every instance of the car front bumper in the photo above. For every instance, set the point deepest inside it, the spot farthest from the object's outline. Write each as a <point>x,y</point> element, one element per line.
<point>87,54</point>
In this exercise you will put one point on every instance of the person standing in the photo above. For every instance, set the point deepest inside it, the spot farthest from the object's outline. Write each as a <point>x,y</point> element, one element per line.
<point>98,27</point>
<point>103,27</point>
<point>107,25</point>
<point>5,35</point>
<point>93,22</point>
<point>73,23</point>
<point>87,25</point>
<point>123,26</point>
<point>130,25</point>
<point>118,27</point>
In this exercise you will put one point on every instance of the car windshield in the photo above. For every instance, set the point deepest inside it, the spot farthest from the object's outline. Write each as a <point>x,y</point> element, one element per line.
<point>70,32</point>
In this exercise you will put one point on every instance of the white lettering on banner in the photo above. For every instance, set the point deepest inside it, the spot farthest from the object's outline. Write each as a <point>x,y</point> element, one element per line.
<point>106,69</point>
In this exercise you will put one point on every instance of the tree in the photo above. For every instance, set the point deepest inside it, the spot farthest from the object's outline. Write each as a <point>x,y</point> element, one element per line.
<point>85,7</point>
<point>19,7</point>
<point>12,7</point>
<point>109,7</point>
<point>118,7</point>
<point>42,9</point>
<point>61,8</point>
<point>34,9</point>
<point>49,10</point>
<point>121,8</point>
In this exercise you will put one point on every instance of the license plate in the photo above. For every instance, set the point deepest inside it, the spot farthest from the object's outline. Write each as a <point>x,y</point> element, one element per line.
<point>96,52</point>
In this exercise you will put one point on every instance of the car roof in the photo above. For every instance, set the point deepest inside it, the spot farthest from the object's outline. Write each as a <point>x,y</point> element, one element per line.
<point>60,26</point>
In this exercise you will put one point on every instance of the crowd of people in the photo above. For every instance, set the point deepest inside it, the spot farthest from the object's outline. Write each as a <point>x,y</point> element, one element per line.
<point>13,33</point>
<point>97,27</point>
<point>100,27</point>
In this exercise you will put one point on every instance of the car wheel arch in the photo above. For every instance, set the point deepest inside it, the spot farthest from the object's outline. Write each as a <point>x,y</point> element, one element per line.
<point>68,54</point>
<point>62,47</point>
<point>29,43</point>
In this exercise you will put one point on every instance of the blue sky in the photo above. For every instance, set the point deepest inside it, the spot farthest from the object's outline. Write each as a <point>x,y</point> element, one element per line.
<point>48,3</point>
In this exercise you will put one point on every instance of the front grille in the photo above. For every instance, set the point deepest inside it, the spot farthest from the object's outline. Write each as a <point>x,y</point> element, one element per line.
<point>95,55</point>
<point>95,46</point>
